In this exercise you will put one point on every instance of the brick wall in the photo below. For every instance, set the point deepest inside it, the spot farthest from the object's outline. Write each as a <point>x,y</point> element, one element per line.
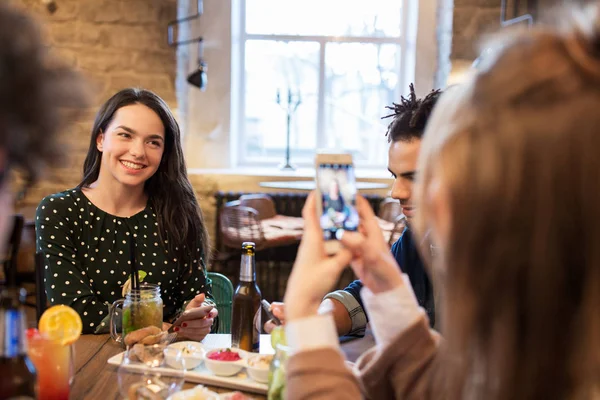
<point>471,19</point>
<point>116,44</point>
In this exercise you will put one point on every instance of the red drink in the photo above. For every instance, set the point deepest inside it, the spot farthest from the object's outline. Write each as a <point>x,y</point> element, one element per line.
<point>52,362</point>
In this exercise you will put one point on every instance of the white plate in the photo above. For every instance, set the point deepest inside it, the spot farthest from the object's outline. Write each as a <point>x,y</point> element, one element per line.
<point>201,374</point>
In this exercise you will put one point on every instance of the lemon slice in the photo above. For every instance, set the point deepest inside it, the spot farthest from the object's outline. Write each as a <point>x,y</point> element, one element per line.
<point>61,323</point>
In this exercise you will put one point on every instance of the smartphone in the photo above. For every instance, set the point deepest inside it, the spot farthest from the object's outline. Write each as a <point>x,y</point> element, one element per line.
<point>336,200</point>
<point>267,307</point>
<point>188,315</point>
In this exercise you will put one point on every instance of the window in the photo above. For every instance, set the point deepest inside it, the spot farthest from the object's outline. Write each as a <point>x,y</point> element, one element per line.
<point>335,63</point>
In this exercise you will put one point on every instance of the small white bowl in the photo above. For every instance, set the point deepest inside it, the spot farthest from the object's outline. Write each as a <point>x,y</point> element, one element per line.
<point>261,373</point>
<point>192,355</point>
<point>226,368</point>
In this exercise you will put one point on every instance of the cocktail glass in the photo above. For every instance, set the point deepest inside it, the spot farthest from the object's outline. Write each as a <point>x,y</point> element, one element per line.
<point>53,363</point>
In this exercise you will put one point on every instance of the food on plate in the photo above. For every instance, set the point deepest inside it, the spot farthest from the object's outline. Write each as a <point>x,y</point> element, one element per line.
<point>154,339</point>
<point>225,362</point>
<point>185,355</point>
<point>258,367</point>
<point>260,361</point>
<point>148,335</point>
<point>198,393</point>
<point>234,396</point>
<point>146,354</point>
<point>224,355</point>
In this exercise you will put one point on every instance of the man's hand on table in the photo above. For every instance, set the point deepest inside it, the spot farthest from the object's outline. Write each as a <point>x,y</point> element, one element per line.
<point>343,322</point>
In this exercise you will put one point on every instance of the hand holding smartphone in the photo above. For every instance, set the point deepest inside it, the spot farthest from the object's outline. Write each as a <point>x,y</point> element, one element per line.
<point>267,307</point>
<point>336,200</point>
<point>188,315</point>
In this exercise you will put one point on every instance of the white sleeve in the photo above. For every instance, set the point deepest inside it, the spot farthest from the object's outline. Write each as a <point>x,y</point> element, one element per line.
<point>391,312</point>
<point>310,333</point>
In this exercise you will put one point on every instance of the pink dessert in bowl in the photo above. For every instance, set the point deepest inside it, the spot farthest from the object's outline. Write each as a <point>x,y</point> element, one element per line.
<point>225,355</point>
<point>226,362</point>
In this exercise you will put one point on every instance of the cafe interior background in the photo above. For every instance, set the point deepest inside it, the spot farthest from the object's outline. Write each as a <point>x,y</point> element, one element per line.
<point>336,63</point>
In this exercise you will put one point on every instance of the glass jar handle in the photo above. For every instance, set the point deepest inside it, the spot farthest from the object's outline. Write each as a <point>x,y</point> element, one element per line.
<point>117,337</point>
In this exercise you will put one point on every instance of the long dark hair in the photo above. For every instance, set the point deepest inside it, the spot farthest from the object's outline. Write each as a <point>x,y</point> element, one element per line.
<point>169,190</point>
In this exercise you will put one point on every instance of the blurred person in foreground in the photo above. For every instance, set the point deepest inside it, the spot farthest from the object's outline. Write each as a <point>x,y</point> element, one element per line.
<point>38,96</point>
<point>404,135</point>
<point>510,192</point>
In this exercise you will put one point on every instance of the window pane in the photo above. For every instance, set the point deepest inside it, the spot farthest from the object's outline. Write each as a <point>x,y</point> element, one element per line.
<point>361,79</point>
<point>273,67</point>
<point>376,18</point>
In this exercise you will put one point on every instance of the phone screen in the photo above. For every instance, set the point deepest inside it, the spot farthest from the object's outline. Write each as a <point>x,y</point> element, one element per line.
<point>337,185</point>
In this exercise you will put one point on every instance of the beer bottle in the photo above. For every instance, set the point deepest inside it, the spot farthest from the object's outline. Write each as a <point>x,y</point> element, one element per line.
<point>17,374</point>
<point>245,318</point>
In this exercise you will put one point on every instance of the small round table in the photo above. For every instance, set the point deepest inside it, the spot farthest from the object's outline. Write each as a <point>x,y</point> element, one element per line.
<point>310,185</point>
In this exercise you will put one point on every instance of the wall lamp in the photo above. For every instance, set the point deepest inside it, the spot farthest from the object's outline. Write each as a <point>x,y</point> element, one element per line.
<point>198,77</point>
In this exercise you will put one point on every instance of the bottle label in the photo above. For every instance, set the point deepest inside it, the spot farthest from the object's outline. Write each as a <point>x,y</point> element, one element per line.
<point>256,331</point>
<point>12,333</point>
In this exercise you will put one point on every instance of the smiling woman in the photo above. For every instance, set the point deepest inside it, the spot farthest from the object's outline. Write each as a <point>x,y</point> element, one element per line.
<point>135,188</point>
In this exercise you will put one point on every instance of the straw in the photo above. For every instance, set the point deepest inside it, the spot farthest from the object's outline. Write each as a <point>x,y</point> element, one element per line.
<point>135,279</point>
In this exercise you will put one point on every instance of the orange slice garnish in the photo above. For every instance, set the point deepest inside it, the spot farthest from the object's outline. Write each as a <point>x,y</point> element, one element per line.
<point>61,323</point>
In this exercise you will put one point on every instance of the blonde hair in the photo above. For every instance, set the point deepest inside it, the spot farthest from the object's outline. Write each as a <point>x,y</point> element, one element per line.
<point>517,149</point>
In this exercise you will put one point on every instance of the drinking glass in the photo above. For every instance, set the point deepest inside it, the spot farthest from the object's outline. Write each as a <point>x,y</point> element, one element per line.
<point>277,389</point>
<point>54,365</point>
<point>141,308</point>
<point>144,373</point>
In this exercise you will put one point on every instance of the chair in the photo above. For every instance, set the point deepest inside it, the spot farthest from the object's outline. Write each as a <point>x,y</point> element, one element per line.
<point>222,290</point>
<point>41,300</point>
<point>389,209</point>
<point>240,224</point>
<point>262,203</point>
<point>10,262</point>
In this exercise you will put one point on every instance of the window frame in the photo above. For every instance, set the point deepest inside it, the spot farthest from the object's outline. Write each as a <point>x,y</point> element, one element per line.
<point>406,42</point>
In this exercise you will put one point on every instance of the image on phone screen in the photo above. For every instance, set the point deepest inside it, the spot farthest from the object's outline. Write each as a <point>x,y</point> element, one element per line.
<point>338,194</point>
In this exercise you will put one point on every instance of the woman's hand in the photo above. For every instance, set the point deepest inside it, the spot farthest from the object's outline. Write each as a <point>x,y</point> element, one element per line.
<point>314,273</point>
<point>200,325</point>
<point>372,262</point>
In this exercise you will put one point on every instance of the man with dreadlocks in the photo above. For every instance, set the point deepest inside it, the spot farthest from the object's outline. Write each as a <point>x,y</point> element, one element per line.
<point>404,135</point>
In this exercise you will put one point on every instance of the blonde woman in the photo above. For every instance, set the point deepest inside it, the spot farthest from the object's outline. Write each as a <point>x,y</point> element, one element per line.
<point>510,192</point>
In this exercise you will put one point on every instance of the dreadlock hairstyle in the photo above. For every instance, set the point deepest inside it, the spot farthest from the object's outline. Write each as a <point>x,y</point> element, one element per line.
<point>410,116</point>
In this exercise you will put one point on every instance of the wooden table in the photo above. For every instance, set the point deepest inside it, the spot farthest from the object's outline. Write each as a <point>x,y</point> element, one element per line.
<point>95,379</point>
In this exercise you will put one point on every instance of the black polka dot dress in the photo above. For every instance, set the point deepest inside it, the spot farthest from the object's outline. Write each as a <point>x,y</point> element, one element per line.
<point>87,261</point>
